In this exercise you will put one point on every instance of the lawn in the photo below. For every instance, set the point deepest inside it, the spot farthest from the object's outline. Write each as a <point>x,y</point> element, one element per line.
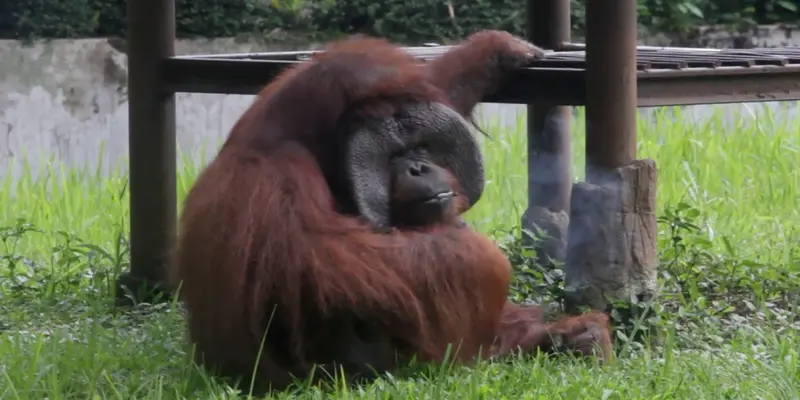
<point>726,321</point>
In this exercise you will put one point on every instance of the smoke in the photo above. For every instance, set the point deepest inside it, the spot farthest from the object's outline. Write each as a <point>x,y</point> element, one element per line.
<point>549,180</point>
<point>603,230</point>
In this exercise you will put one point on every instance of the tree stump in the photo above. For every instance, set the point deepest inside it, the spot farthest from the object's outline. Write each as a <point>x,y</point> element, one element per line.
<point>552,246</point>
<point>611,240</point>
<point>131,290</point>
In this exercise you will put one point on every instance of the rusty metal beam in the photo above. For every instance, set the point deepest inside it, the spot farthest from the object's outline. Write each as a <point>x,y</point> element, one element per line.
<point>549,144</point>
<point>151,140</point>
<point>719,86</point>
<point>611,90</point>
<point>561,86</point>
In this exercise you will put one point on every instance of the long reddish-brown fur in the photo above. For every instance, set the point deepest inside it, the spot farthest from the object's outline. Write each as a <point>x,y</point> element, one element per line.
<point>263,250</point>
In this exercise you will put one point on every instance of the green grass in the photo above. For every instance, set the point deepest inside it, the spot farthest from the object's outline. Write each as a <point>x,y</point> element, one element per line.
<point>727,316</point>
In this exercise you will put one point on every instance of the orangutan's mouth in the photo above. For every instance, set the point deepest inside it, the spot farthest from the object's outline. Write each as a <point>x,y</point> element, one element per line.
<point>439,198</point>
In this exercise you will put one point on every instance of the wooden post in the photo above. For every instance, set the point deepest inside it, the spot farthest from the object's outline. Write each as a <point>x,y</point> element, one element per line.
<point>611,250</point>
<point>610,85</point>
<point>151,140</point>
<point>549,141</point>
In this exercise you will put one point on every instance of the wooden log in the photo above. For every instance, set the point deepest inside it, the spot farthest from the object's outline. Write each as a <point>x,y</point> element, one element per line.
<point>611,240</point>
<point>550,228</point>
<point>549,142</point>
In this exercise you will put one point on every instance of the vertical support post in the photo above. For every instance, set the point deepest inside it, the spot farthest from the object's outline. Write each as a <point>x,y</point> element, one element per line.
<point>611,250</point>
<point>549,141</point>
<point>610,85</point>
<point>151,141</point>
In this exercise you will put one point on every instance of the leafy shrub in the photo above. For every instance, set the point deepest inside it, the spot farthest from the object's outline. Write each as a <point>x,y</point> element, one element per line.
<point>697,286</point>
<point>412,20</point>
<point>49,18</point>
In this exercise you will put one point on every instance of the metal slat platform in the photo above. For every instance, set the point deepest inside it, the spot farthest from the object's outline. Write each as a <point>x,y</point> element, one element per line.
<point>666,75</point>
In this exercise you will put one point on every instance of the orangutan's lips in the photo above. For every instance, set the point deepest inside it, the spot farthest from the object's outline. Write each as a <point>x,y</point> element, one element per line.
<point>439,198</point>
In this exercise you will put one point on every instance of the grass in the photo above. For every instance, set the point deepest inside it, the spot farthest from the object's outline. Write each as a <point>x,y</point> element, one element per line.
<point>726,318</point>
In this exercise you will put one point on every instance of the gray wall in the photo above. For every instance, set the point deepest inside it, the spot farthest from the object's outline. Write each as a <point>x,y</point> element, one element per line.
<point>65,100</point>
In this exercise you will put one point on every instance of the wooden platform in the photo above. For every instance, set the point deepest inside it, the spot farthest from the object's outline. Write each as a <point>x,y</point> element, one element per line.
<point>666,76</point>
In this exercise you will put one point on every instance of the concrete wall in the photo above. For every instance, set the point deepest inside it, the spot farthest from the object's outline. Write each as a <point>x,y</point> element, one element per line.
<point>66,99</point>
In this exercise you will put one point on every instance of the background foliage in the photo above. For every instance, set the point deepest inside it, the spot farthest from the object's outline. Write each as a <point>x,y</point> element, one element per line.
<point>403,20</point>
